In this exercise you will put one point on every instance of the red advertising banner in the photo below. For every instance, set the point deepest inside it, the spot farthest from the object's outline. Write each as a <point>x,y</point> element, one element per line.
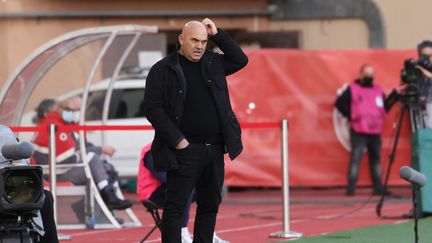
<point>302,86</point>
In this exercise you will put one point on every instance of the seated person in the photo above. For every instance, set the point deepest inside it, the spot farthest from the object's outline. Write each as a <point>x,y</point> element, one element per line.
<point>67,152</point>
<point>151,186</point>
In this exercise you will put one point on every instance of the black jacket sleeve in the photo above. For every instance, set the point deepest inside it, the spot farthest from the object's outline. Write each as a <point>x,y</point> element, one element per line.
<point>154,109</point>
<point>390,100</point>
<point>343,103</point>
<point>234,58</point>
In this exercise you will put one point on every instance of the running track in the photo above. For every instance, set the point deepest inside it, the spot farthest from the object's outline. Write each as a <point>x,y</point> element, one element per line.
<point>249,216</point>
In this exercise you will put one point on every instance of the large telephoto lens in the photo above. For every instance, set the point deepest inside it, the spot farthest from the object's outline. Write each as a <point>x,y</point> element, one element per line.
<point>22,187</point>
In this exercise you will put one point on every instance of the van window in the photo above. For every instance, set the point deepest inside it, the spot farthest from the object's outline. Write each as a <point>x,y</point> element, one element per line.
<point>125,103</point>
<point>128,103</point>
<point>95,105</point>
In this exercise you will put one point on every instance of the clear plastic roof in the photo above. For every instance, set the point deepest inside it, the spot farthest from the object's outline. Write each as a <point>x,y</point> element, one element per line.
<point>18,89</point>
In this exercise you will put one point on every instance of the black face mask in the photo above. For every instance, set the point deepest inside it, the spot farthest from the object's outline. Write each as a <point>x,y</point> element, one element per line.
<point>367,80</point>
<point>424,61</point>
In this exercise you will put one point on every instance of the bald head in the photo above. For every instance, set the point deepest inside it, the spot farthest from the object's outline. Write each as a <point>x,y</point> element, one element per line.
<point>193,26</point>
<point>193,40</point>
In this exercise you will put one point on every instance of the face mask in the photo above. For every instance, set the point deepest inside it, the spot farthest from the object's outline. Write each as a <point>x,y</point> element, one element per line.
<point>76,116</point>
<point>367,80</point>
<point>68,116</point>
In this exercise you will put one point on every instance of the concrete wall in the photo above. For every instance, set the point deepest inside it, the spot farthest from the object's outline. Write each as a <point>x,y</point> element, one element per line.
<point>328,34</point>
<point>20,36</point>
<point>406,23</point>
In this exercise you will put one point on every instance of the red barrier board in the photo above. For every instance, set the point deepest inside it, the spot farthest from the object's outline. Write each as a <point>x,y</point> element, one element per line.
<point>301,86</point>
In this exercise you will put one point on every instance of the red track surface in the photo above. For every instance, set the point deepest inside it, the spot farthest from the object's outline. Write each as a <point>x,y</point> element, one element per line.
<point>250,216</point>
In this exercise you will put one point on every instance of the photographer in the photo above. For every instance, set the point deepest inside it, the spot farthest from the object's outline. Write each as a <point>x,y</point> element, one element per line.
<point>365,105</point>
<point>424,50</point>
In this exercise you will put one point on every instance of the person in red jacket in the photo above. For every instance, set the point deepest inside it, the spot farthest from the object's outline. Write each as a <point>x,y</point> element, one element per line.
<point>67,151</point>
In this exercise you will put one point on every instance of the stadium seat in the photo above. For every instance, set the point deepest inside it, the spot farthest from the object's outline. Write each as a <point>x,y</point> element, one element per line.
<point>92,205</point>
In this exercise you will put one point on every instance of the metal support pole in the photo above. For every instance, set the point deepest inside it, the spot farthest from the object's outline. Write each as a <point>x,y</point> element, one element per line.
<point>53,175</point>
<point>286,233</point>
<point>52,167</point>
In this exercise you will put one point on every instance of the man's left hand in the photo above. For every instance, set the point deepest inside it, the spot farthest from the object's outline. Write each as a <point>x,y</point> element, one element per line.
<point>210,26</point>
<point>108,150</point>
<point>425,72</point>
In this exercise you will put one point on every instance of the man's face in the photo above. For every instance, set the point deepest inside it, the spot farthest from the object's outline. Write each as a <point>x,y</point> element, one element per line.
<point>70,109</point>
<point>193,43</point>
<point>426,51</point>
<point>368,71</point>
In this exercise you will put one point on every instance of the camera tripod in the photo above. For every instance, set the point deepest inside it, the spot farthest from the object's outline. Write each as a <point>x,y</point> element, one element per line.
<point>411,105</point>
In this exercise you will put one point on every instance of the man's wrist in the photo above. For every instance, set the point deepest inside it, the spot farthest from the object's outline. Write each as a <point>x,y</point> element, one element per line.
<point>217,35</point>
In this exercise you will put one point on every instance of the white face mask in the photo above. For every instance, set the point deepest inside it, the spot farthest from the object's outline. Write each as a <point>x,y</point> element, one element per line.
<point>77,115</point>
<point>68,116</point>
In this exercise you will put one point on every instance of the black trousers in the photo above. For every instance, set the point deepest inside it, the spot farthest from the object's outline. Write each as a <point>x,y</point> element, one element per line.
<point>358,144</point>
<point>202,167</point>
<point>47,213</point>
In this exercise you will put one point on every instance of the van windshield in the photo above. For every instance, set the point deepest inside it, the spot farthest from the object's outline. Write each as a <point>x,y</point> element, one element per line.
<point>125,103</point>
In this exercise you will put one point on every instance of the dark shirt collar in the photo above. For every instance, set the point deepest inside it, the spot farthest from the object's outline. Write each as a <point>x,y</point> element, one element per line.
<point>173,57</point>
<point>358,81</point>
<point>184,60</point>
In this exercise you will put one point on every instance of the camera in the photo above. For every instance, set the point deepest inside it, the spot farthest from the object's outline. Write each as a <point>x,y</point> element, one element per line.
<point>413,79</point>
<point>410,74</point>
<point>21,191</point>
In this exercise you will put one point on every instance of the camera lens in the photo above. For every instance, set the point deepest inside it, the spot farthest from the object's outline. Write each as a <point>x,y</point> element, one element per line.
<point>22,187</point>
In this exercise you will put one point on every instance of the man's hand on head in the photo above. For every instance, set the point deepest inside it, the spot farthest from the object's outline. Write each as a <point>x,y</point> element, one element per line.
<point>210,26</point>
<point>182,144</point>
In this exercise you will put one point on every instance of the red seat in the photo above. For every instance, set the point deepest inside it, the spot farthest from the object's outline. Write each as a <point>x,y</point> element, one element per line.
<point>59,183</point>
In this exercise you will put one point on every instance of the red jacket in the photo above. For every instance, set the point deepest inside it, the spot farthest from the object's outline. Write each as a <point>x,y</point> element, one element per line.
<point>146,182</point>
<point>65,142</point>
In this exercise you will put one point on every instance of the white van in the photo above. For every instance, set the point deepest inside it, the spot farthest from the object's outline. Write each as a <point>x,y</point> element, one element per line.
<point>125,109</point>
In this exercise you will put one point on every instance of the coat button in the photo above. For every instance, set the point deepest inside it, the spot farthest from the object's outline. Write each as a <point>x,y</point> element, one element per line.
<point>209,81</point>
<point>180,91</point>
<point>176,117</point>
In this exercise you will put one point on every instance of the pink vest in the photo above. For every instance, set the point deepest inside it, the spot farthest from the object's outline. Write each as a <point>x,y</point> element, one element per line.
<point>367,109</point>
<point>146,182</point>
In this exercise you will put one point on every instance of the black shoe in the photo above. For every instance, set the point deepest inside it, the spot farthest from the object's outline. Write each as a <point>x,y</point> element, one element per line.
<point>112,201</point>
<point>350,193</point>
<point>409,215</point>
<point>381,192</point>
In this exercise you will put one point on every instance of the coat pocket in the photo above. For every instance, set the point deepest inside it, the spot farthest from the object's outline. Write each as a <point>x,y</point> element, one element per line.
<point>164,157</point>
<point>234,123</point>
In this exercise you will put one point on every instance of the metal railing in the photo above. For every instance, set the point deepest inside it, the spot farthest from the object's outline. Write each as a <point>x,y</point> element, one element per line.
<point>286,231</point>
